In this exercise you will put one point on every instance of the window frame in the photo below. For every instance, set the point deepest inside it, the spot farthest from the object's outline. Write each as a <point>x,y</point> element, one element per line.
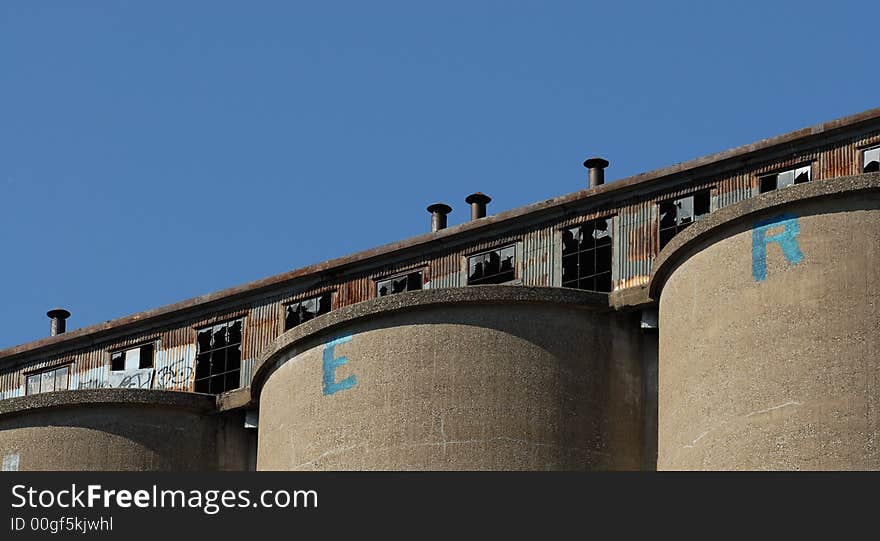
<point>154,342</point>
<point>196,379</point>
<point>54,368</point>
<point>678,227</point>
<point>611,218</point>
<point>781,170</point>
<point>517,256</point>
<point>418,270</point>
<point>308,297</point>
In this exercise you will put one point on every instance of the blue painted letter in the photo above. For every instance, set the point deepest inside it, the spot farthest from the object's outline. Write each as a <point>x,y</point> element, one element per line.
<point>787,240</point>
<point>331,363</point>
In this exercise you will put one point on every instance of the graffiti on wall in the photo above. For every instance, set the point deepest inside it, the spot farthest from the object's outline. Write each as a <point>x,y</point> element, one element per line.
<point>138,378</point>
<point>174,377</point>
<point>786,238</point>
<point>331,363</point>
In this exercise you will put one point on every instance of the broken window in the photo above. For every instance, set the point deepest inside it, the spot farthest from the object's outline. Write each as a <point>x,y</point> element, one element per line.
<point>871,160</point>
<point>784,179</point>
<point>676,214</point>
<point>586,256</point>
<point>492,267</point>
<point>46,381</point>
<point>133,358</point>
<point>398,284</point>
<point>218,360</point>
<point>304,310</point>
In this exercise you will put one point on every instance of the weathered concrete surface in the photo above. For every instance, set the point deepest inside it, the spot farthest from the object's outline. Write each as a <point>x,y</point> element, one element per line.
<point>483,378</point>
<point>780,372</point>
<point>120,429</point>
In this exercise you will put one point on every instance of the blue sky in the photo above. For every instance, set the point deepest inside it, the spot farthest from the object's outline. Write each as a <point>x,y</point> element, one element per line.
<point>155,151</point>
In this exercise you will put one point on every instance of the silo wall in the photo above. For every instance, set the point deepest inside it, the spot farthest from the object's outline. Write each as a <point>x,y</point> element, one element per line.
<point>480,378</point>
<point>769,320</point>
<point>120,430</point>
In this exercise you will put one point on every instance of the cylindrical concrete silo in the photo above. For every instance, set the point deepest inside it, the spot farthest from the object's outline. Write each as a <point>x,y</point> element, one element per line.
<point>119,429</point>
<point>770,333</point>
<point>479,378</point>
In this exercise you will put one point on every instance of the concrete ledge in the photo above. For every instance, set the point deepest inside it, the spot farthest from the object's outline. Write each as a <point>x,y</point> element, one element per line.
<point>412,300</point>
<point>692,236</point>
<point>200,403</point>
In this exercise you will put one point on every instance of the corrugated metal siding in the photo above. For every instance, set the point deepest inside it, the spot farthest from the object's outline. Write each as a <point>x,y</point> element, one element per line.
<point>635,244</point>
<point>635,247</point>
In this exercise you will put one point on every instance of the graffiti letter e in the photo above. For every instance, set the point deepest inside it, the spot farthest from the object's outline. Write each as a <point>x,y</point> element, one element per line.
<point>331,363</point>
<point>787,240</point>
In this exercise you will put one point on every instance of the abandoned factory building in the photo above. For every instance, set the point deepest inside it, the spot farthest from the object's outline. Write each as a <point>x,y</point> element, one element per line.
<point>721,313</point>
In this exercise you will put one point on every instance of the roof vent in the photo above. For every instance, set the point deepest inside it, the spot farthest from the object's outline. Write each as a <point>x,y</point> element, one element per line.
<point>478,202</point>
<point>59,321</point>
<point>596,166</point>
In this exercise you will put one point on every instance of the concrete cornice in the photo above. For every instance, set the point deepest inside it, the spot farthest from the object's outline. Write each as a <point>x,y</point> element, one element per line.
<point>200,403</point>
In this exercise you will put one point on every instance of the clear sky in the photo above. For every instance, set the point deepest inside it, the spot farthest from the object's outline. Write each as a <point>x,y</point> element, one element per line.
<point>155,151</point>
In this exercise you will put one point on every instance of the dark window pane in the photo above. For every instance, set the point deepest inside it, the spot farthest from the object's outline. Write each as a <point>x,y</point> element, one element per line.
<point>603,282</point>
<point>603,259</point>
<point>234,332</point>
<point>205,340</point>
<point>218,361</point>
<point>668,213</point>
<point>475,268</point>
<point>219,338</point>
<point>493,264</point>
<point>203,385</point>
<point>216,385</point>
<point>768,183</point>
<point>117,361</point>
<point>587,263</point>
<point>569,243</point>
<point>666,236</point>
<point>414,281</point>
<point>233,358</point>
<point>146,360</point>
<point>291,318</point>
<point>203,365</point>
<point>324,304</point>
<point>569,268</point>
<point>588,238</point>
<point>398,285</point>
<point>232,380</point>
<point>701,203</point>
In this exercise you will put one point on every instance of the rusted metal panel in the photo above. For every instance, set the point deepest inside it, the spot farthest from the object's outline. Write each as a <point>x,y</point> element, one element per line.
<point>634,244</point>
<point>263,324</point>
<point>732,189</point>
<point>539,255</point>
